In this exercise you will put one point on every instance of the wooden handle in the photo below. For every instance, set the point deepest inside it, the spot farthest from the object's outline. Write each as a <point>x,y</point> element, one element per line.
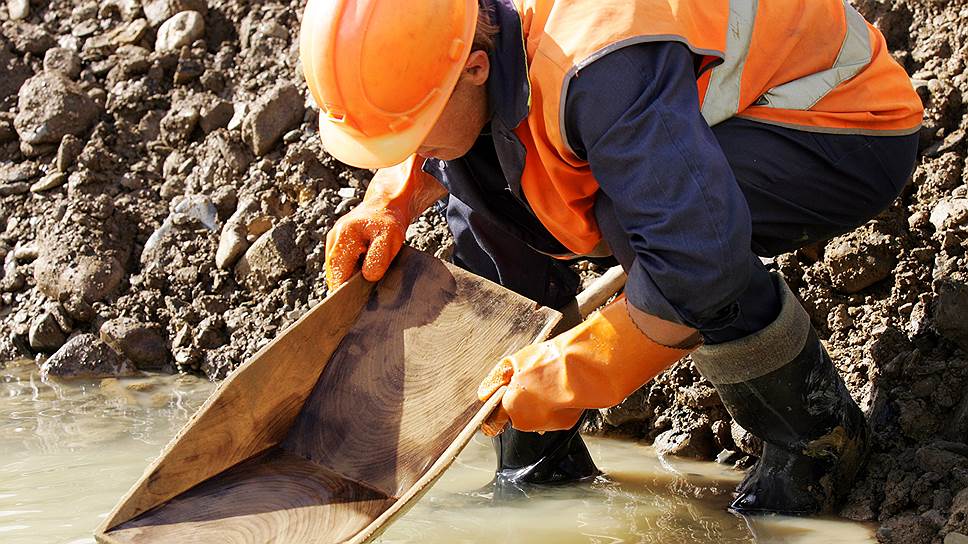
<point>601,290</point>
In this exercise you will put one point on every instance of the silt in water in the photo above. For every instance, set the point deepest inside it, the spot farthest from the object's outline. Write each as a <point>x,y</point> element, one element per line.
<point>70,450</point>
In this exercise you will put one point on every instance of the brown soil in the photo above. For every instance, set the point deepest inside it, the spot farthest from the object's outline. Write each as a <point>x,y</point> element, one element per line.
<point>173,202</point>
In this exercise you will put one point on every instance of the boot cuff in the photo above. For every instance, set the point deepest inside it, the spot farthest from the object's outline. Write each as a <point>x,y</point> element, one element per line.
<point>761,352</point>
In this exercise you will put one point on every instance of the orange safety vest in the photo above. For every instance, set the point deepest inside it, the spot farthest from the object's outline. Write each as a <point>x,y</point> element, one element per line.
<point>813,65</point>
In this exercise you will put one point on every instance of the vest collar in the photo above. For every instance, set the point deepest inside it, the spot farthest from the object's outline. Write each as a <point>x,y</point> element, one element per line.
<point>508,87</point>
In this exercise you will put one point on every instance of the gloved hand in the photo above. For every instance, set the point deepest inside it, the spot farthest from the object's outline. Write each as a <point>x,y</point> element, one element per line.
<point>596,364</point>
<point>377,227</point>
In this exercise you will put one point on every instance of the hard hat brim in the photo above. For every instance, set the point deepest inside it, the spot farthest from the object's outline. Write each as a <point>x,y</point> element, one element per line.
<point>350,147</point>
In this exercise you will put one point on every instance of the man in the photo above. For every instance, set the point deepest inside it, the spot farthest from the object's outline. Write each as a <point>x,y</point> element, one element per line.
<point>686,138</point>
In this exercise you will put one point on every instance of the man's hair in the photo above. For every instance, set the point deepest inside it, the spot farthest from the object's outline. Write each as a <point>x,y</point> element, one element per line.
<point>486,30</point>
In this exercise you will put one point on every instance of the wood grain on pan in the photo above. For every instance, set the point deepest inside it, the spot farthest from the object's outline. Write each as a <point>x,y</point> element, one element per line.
<point>404,382</point>
<point>390,410</point>
<point>276,497</point>
<point>253,409</point>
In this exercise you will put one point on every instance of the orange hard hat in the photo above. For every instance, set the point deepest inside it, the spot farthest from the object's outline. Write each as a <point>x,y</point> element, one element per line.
<point>382,71</point>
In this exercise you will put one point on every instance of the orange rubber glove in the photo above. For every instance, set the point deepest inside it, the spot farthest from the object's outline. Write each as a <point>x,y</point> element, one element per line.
<point>596,364</point>
<point>377,227</point>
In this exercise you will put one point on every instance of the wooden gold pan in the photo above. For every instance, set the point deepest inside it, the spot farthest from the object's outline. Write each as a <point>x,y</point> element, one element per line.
<point>329,432</point>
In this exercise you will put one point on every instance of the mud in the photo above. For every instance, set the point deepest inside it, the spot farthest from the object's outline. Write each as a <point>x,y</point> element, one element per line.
<point>163,193</point>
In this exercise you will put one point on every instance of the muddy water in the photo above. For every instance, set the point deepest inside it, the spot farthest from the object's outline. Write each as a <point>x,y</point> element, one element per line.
<point>69,450</point>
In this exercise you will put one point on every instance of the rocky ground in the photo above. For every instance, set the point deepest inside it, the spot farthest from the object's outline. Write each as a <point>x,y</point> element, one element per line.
<point>165,199</point>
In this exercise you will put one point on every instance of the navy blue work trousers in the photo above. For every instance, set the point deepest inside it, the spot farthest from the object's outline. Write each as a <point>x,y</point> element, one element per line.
<point>801,187</point>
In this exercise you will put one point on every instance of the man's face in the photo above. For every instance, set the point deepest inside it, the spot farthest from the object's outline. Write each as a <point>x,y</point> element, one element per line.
<point>464,115</point>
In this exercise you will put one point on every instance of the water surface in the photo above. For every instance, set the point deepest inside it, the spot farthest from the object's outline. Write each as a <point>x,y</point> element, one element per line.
<point>70,449</point>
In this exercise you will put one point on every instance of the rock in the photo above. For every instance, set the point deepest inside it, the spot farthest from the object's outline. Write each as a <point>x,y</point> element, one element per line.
<point>45,334</point>
<point>746,441</point>
<point>280,110</point>
<point>633,410</point>
<point>65,61</point>
<point>950,310</point>
<point>27,38</point>
<point>51,107</point>
<point>70,148</point>
<point>50,181</point>
<point>181,30</point>
<point>81,257</point>
<point>949,213</point>
<point>178,125</point>
<point>159,11</point>
<point>859,259</point>
<point>16,172</point>
<point>85,356</point>
<point>696,443</point>
<point>935,459</point>
<point>233,241</point>
<point>906,529</point>
<point>145,344</point>
<point>17,188</point>
<point>18,9</point>
<point>272,257</point>
<point>955,538</point>
<point>7,132</point>
<point>959,513</point>
<point>215,115</point>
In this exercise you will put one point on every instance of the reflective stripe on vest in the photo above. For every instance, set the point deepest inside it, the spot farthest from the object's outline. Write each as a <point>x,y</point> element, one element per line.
<point>725,82</point>
<point>854,56</point>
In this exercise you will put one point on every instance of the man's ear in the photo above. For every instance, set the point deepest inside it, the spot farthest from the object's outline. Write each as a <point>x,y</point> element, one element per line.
<point>477,68</point>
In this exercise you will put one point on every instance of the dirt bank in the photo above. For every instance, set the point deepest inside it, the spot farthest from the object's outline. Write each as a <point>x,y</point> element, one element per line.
<point>163,192</point>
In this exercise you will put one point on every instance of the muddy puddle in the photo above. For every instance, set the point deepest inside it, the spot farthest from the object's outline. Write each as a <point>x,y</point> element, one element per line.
<point>70,450</point>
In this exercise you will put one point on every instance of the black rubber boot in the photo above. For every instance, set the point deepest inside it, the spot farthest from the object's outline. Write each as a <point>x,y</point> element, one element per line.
<point>815,437</point>
<point>526,459</point>
<point>780,384</point>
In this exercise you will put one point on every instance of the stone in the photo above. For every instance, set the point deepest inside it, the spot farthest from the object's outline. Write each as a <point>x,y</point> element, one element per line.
<point>949,213</point>
<point>233,241</point>
<point>51,107</point>
<point>696,443</point>
<point>17,188</point>
<point>129,34</point>
<point>949,310</point>
<point>633,410</point>
<point>67,153</point>
<point>215,115</point>
<point>81,256</point>
<point>159,11</point>
<point>27,38</point>
<point>181,30</point>
<point>85,356</point>
<point>271,258</point>
<point>939,460</point>
<point>63,60</point>
<point>45,334</point>
<point>859,259</point>
<point>145,344</point>
<point>274,114</point>
<point>48,182</point>
<point>7,132</point>
<point>178,124</point>
<point>746,441</point>
<point>906,529</point>
<point>18,9</point>
<point>955,538</point>
<point>15,172</point>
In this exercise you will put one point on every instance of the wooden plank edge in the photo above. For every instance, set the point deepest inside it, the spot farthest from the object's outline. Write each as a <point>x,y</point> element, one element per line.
<point>110,521</point>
